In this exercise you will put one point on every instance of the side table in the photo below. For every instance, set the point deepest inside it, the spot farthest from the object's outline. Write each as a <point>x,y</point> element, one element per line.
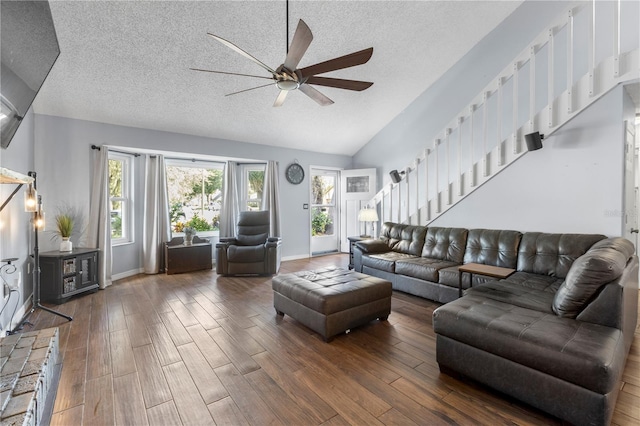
<point>480,269</point>
<point>352,246</point>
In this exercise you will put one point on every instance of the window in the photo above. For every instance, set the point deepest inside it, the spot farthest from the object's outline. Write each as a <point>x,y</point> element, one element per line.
<point>195,195</point>
<point>120,176</point>
<point>252,186</point>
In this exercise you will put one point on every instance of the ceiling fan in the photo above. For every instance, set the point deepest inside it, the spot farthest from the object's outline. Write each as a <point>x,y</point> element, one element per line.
<point>288,77</point>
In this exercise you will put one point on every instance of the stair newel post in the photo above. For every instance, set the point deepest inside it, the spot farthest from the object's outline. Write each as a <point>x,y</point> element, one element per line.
<point>514,136</point>
<point>426,183</point>
<point>550,81</point>
<point>570,61</point>
<point>460,176</point>
<point>500,162</point>
<point>437,174</point>
<point>485,127</point>
<point>472,170</point>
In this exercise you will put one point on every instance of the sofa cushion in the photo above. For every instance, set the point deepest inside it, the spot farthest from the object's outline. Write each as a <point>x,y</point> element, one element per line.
<point>588,355</point>
<point>403,238</point>
<point>603,263</point>
<point>449,277</point>
<point>552,254</point>
<point>445,244</point>
<point>385,261</point>
<point>493,247</point>
<point>245,254</point>
<point>521,289</point>
<point>422,268</point>
<point>373,246</point>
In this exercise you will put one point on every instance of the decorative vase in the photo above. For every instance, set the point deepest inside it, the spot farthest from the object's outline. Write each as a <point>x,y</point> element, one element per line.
<point>66,245</point>
<point>188,240</point>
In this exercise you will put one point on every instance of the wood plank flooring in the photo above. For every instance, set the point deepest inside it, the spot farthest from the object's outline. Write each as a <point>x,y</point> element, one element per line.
<point>202,349</point>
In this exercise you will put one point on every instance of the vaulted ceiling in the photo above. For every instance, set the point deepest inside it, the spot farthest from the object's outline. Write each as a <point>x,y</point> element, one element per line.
<point>127,63</point>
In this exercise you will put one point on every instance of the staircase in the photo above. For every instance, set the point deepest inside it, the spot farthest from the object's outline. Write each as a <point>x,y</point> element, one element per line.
<point>580,57</point>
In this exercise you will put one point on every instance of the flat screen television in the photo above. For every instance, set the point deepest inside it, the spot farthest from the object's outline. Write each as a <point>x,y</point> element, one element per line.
<point>28,49</point>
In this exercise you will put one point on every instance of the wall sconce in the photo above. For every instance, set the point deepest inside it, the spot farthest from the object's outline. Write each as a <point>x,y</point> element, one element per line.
<point>396,176</point>
<point>367,215</point>
<point>534,141</point>
<point>31,199</point>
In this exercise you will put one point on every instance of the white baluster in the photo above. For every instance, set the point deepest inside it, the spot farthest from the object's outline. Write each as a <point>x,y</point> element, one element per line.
<point>460,180</point>
<point>426,183</point>
<point>447,193</point>
<point>616,39</point>
<point>514,136</point>
<point>499,122</point>
<point>485,127</point>
<point>550,51</point>
<point>570,62</point>
<point>472,173</point>
<point>437,176</point>
<point>592,49</point>
<point>532,88</point>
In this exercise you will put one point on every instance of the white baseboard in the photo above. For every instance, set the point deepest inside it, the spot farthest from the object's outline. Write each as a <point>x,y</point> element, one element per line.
<point>127,274</point>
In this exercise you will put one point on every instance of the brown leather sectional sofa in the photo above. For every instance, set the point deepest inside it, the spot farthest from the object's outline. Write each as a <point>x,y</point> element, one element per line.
<point>555,334</point>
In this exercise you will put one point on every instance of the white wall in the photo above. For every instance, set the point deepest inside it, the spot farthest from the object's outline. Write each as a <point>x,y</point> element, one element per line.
<point>16,232</point>
<point>63,156</point>
<point>395,146</point>
<point>572,185</point>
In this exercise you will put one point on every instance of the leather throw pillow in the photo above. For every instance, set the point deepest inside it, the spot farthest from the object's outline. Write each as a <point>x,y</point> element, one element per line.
<point>586,276</point>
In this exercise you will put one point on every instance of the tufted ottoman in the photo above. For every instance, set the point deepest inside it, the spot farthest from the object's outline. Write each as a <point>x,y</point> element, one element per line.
<point>331,300</point>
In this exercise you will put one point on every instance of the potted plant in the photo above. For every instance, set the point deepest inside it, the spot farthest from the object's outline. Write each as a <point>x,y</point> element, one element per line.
<point>189,233</point>
<point>64,228</point>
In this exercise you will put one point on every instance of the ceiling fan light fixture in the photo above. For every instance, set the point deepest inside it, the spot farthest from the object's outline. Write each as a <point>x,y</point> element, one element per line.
<point>287,84</point>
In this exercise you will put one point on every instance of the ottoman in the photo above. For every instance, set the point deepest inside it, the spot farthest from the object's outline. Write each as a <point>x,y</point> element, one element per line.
<point>331,300</point>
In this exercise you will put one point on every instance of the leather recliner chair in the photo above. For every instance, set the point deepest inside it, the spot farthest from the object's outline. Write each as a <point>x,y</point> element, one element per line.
<point>252,251</point>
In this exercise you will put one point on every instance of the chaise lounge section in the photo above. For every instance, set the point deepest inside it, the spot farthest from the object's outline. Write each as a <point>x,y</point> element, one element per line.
<point>554,334</point>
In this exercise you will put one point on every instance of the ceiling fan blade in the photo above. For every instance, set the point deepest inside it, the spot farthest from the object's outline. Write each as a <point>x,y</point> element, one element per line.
<point>246,90</point>
<point>280,99</point>
<point>242,52</point>
<point>231,73</point>
<point>321,99</point>
<point>301,41</point>
<point>339,83</point>
<point>350,60</point>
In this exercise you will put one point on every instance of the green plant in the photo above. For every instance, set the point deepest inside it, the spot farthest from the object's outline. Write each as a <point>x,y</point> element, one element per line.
<point>189,231</point>
<point>319,222</point>
<point>198,223</point>
<point>64,225</point>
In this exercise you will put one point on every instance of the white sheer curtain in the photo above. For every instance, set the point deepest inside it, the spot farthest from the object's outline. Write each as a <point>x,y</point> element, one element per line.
<point>99,228</point>
<point>157,227</point>
<point>230,208</point>
<point>271,197</point>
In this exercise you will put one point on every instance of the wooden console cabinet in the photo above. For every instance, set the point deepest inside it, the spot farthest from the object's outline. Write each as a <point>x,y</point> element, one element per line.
<point>181,258</point>
<point>65,274</point>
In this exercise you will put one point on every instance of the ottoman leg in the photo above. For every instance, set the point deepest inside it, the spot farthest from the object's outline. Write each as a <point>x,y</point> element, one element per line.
<point>280,313</point>
<point>384,318</point>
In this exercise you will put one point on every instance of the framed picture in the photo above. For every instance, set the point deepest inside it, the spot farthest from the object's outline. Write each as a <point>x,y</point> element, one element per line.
<point>359,184</point>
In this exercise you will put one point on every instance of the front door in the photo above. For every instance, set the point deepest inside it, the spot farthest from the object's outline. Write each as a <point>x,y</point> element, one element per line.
<point>325,219</point>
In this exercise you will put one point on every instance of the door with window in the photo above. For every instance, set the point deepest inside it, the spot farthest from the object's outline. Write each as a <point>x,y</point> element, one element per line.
<point>325,218</point>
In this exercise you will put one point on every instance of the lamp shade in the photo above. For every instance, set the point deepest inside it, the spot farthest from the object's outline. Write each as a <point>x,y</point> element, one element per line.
<point>534,141</point>
<point>368,215</point>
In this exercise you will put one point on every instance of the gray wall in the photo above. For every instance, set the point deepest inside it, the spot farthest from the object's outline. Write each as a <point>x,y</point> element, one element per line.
<point>16,233</point>
<point>63,156</point>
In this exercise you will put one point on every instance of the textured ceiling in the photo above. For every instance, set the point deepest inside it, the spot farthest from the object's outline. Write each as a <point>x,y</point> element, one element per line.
<point>127,63</point>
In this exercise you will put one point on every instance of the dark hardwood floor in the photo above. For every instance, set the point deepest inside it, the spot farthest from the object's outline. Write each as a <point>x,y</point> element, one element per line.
<point>197,349</point>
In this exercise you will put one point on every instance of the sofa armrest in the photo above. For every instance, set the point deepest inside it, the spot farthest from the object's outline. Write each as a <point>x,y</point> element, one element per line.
<point>373,246</point>
<point>226,242</point>
<point>273,242</point>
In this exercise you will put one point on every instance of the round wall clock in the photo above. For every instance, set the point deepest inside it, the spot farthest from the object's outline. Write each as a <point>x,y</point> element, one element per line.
<point>295,173</point>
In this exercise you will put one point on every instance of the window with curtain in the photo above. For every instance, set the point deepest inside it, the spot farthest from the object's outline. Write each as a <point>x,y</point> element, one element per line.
<point>252,186</point>
<point>121,197</point>
<point>195,195</point>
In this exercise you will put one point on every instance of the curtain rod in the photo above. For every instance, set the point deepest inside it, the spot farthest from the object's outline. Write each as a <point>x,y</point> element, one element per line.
<point>135,154</point>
